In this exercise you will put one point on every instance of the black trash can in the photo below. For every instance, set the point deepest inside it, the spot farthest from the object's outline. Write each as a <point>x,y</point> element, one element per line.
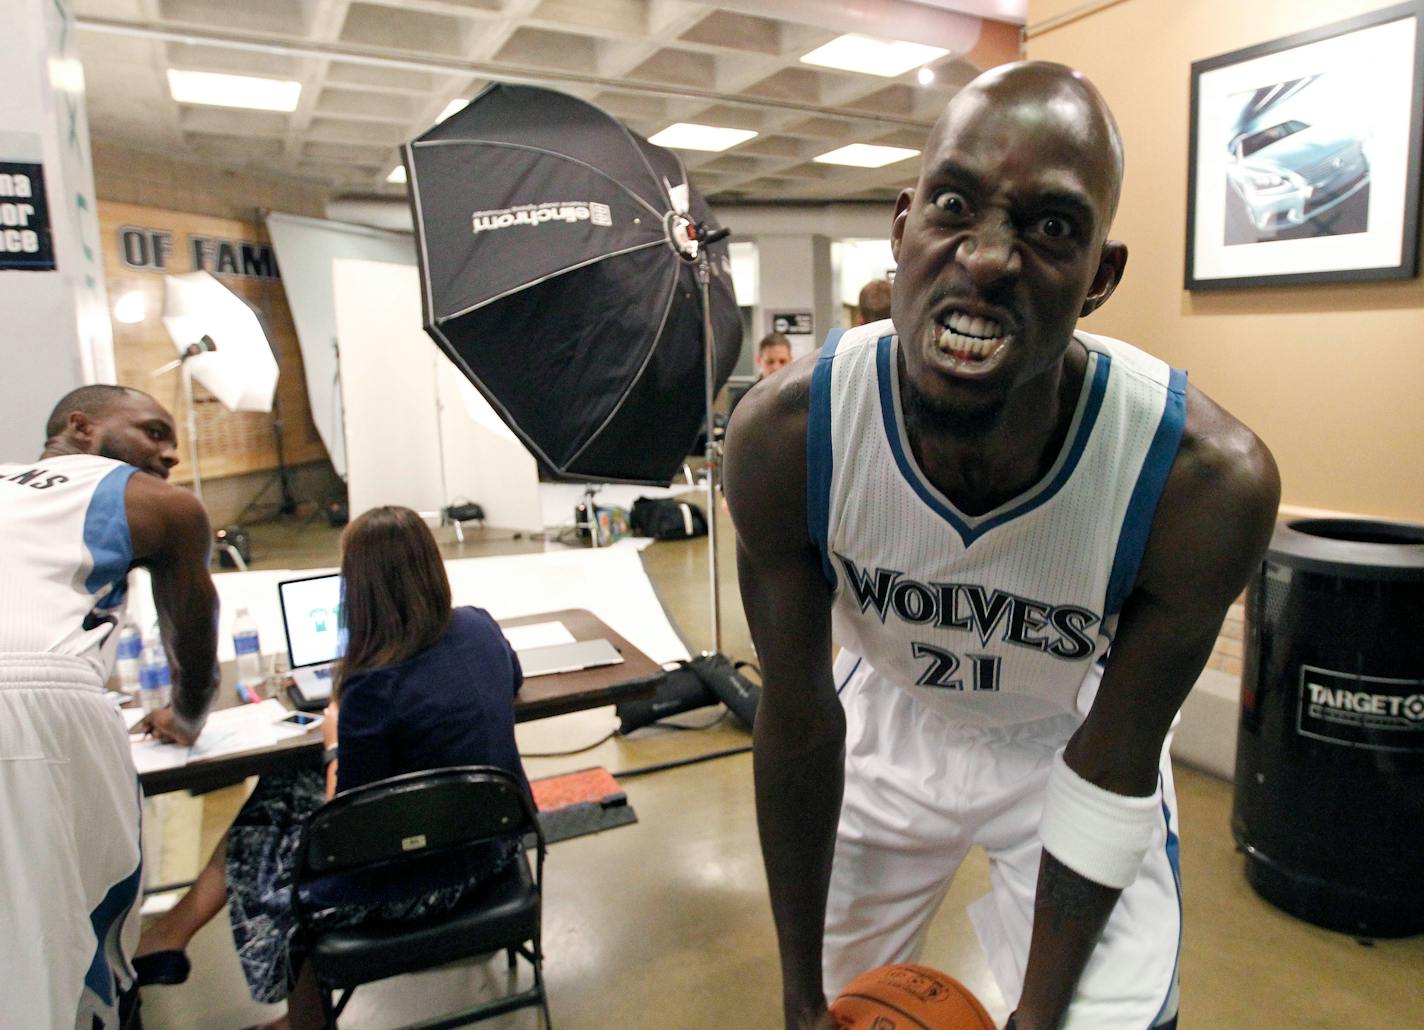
<point>1329,800</point>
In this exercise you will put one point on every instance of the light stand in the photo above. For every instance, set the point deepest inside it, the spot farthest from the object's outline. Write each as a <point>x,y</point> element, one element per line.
<point>714,446</point>
<point>190,424</point>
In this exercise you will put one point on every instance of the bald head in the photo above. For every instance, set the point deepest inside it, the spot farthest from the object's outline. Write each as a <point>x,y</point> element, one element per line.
<point>1041,95</point>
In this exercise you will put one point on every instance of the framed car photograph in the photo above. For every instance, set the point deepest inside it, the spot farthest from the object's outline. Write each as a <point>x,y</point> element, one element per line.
<point>1305,156</point>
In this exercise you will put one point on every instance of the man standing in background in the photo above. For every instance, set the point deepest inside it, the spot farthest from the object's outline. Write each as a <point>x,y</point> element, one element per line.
<point>874,301</point>
<point>72,524</point>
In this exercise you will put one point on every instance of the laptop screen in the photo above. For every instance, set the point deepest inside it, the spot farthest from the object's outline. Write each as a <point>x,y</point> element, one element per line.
<point>311,615</point>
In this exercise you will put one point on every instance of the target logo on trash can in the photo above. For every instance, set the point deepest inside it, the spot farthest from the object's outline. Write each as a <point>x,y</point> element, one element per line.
<point>1370,712</point>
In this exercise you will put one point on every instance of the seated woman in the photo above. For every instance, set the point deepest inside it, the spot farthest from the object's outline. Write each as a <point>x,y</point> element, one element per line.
<point>418,687</point>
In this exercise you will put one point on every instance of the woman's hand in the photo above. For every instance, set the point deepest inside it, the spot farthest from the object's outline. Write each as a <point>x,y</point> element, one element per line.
<point>328,725</point>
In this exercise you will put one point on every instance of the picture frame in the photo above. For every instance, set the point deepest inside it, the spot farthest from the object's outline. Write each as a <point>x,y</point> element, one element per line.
<point>1304,157</point>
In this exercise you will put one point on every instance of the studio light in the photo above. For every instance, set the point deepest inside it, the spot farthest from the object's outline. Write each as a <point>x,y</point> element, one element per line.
<point>691,136</point>
<point>246,91</point>
<point>865,155</point>
<point>870,56</point>
<point>130,308</point>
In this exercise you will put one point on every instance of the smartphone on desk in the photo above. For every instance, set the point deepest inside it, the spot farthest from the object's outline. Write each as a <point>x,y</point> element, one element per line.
<point>301,720</point>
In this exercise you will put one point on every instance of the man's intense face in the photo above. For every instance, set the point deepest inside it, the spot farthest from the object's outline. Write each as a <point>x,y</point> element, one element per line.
<point>138,431</point>
<point>999,245</point>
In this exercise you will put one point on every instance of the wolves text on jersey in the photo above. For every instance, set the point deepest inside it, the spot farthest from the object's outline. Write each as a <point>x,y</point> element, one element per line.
<point>1059,630</point>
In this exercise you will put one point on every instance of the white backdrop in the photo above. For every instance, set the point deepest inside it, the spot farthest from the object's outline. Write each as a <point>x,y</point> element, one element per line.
<point>406,407</point>
<point>305,249</point>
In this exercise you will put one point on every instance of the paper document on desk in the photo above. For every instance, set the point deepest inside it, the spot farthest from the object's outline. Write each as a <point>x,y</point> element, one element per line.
<point>538,634</point>
<point>227,732</point>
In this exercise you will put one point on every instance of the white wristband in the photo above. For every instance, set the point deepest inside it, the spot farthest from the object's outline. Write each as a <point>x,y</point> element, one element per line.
<point>1098,834</point>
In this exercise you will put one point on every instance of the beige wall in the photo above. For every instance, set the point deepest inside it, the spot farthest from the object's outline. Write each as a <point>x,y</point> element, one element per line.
<point>130,176</point>
<point>1331,377</point>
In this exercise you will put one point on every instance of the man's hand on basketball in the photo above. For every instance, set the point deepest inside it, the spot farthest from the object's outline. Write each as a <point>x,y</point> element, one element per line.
<point>161,725</point>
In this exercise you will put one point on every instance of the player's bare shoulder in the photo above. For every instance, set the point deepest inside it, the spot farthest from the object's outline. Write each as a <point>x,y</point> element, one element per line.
<point>1219,505</point>
<point>1222,462</point>
<point>766,450</point>
<point>162,516</point>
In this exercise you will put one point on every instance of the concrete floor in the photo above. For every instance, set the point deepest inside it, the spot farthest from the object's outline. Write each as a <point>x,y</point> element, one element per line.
<point>665,924</point>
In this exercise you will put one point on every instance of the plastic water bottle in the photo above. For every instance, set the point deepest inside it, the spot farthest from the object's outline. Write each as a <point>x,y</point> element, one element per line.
<point>130,656</point>
<point>248,648</point>
<point>154,680</point>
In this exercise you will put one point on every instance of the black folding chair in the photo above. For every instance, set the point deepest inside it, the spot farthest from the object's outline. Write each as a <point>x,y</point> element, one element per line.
<point>387,827</point>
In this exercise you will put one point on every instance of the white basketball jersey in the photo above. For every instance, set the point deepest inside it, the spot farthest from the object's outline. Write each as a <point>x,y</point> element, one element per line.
<point>65,553</point>
<point>994,618</point>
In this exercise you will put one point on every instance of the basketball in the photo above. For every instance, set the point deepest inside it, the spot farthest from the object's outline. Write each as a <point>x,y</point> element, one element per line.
<point>907,997</point>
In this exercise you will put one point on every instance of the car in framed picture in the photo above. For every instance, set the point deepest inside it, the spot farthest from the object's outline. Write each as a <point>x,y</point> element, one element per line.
<point>1305,156</point>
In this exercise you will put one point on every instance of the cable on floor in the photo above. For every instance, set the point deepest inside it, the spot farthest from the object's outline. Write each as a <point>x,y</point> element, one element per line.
<point>576,751</point>
<point>679,763</point>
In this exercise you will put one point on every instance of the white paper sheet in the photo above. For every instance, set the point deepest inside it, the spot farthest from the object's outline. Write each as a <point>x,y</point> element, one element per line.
<point>540,634</point>
<point>228,732</point>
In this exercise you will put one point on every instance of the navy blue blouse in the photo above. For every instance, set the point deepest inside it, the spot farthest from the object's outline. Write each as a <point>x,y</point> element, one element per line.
<point>451,704</point>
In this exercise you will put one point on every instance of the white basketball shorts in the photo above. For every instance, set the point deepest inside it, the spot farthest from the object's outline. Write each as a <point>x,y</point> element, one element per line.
<point>920,791</point>
<point>69,845</point>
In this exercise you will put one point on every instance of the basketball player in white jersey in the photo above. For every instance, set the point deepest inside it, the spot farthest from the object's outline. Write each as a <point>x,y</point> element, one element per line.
<point>73,523</point>
<point>1025,538</point>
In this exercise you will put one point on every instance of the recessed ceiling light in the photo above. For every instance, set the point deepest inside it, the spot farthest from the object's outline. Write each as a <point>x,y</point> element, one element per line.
<point>870,56</point>
<point>865,155</point>
<point>397,175</point>
<point>453,107</point>
<point>925,76</point>
<point>690,136</point>
<point>233,90</point>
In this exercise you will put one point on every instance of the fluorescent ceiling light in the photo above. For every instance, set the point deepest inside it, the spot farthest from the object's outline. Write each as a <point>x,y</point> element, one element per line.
<point>397,175</point>
<point>870,56</point>
<point>453,107</point>
<point>690,136</point>
<point>865,155</point>
<point>233,90</point>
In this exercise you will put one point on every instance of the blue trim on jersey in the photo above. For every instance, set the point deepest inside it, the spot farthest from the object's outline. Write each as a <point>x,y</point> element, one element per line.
<point>820,457</point>
<point>1174,849</point>
<point>106,919</point>
<point>1132,539</point>
<point>968,532</point>
<point>106,537</point>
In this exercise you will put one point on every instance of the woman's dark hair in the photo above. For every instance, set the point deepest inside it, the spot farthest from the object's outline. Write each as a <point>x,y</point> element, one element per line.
<point>395,594</point>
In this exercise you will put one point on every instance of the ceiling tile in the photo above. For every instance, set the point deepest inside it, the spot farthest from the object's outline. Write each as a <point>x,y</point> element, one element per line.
<point>678,68</point>
<point>542,48</point>
<point>364,104</point>
<point>280,16</point>
<point>195,118</point>
<point>789,84</point>
<point>378,25</point>
<point>623,17</point>
<point>737,32</point>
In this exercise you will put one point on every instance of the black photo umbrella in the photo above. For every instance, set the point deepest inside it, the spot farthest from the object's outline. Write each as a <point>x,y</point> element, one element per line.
<point>555,274</point>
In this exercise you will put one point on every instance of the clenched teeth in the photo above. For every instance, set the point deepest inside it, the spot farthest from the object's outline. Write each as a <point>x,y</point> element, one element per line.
<point>963,324</point>
<point>970,337</point>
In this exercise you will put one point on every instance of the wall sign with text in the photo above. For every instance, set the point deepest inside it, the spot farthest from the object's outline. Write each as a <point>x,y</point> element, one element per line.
<point>25,240</point>
<point>149,250</point>
<point>792,323</point>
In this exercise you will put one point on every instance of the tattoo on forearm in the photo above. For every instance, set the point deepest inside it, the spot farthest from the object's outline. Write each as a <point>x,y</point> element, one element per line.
<point>1070,898</point>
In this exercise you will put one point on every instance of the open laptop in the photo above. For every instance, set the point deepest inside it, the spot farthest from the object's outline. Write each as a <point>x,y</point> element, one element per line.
<point>311,617</point>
